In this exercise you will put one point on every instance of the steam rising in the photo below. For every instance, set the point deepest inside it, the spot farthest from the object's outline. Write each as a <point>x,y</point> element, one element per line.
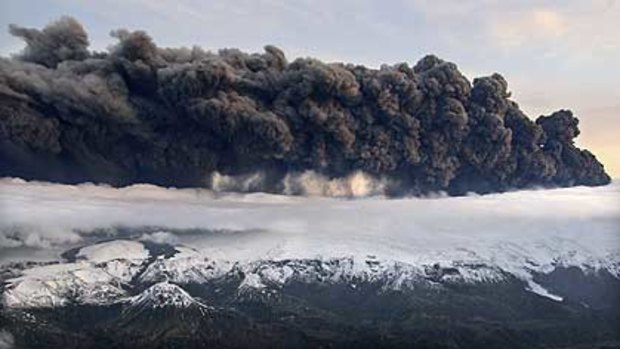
<point>308,183</point>
<point>140,113</point>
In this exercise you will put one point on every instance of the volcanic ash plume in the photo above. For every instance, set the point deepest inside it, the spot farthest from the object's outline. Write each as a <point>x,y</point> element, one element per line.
<point>188,117</point>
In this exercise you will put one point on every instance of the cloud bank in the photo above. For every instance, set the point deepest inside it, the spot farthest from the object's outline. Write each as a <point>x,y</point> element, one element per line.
<point>55,217</point>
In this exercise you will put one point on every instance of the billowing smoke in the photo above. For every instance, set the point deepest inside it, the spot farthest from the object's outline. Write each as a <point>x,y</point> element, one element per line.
<point>187,117</point>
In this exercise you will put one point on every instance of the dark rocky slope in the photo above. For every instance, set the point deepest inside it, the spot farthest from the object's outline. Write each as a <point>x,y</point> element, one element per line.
<point>501,315</point>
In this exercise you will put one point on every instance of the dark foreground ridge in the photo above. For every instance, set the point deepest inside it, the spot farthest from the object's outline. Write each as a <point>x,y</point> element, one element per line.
<point>173,116</point>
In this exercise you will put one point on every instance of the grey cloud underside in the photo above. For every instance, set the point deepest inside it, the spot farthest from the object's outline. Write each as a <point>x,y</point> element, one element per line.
<point>173,116</point>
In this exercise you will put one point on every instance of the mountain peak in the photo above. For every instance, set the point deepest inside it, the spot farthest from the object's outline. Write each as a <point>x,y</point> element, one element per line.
<point>165,295</point>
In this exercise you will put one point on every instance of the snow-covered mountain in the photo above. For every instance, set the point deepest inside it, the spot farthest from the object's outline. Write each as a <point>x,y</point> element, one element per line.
<point>164,295</point>
<point>131,296</point>
<point>107,273</point>
<point>96,276</point>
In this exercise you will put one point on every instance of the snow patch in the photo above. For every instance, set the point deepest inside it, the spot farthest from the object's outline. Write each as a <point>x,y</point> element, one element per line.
<point>541,291</point>
<point>185,267</point>
<point>251,281</point>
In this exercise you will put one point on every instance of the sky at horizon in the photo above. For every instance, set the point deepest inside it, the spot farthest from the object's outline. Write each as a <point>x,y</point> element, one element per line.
<point>554,54</point>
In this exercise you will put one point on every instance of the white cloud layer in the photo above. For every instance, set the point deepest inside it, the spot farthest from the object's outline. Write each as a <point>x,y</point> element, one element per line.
<point>583,220</point>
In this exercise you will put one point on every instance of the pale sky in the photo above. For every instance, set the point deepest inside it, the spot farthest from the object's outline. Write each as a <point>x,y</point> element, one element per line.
<point>554,54</point>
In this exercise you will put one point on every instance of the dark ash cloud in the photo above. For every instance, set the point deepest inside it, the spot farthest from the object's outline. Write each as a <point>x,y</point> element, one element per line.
<point>176,116</point>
